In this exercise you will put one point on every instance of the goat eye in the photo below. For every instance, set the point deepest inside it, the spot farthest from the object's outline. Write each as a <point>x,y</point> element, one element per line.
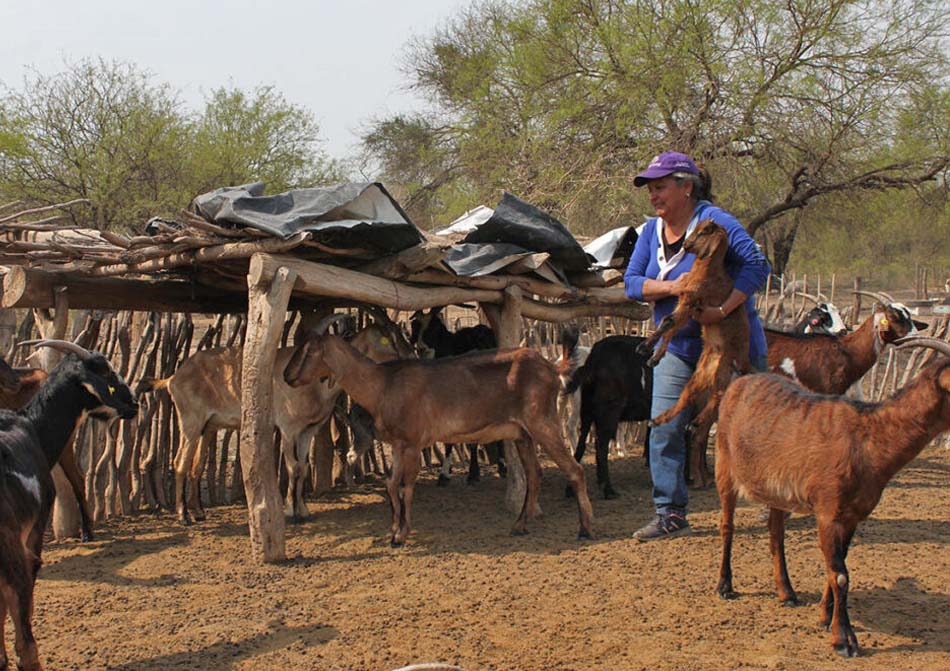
<point>384,340</point>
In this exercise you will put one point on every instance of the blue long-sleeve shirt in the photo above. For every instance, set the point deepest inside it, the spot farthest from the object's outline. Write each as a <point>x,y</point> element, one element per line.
<point>745,264</point>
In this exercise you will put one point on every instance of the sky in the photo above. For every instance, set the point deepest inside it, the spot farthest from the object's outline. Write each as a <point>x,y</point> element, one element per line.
<point>338,58</point>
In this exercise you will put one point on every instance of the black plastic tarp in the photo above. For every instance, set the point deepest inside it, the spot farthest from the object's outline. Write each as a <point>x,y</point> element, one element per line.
<point>520,223</point>
<point>355,215</point>
<point>515,235</point>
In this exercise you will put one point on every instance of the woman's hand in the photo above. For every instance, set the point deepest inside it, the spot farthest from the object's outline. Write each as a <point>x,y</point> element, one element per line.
<point>677,286</point>
<point>709,315</point>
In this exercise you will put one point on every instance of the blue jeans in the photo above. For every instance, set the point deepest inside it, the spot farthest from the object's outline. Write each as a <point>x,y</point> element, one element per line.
<point>668,441</point>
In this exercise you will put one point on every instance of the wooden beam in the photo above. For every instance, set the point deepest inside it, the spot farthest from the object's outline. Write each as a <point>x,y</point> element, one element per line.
<point>30,288</point>
<point>320,280</point>
<point>267,303</point>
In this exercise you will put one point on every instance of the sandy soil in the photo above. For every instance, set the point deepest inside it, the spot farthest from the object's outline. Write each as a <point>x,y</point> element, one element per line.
<point>149,594</point>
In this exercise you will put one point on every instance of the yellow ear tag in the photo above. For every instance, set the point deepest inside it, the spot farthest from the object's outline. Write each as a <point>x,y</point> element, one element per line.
<point>884,321</point>
<point>112,390</point>
<point>384,340</point>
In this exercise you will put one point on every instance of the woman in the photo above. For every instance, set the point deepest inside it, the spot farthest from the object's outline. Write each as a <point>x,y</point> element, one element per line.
<point>680,193</point>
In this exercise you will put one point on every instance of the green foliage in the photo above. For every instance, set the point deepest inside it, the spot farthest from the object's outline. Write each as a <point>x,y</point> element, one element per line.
<point>787,103</point>
<point>105,131</point>
<point>244,137</point>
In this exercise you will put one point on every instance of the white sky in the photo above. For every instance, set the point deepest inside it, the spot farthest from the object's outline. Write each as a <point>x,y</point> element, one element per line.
<point>338,58</point>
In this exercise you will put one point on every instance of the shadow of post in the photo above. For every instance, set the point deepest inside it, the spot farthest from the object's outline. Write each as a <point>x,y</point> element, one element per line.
<point>225,655</point>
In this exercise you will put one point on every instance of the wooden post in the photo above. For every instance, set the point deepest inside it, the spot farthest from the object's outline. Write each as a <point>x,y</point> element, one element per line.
<point>268,297</point>
<point>856,313</point>
<point>508,327</point>
<point>66,520</point>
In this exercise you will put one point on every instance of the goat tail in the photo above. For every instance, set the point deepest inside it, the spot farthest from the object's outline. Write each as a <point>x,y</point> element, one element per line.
<point>147,385</point>
<point>580,377</point>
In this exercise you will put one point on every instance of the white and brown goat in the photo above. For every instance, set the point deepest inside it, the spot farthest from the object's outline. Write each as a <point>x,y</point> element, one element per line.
<point>794,450</point>
<point>831,364</point>
<point>472,398</point>
<point>725,344</point>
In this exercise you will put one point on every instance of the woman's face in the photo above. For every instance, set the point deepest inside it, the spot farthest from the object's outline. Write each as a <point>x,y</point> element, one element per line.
<point>670,198</point>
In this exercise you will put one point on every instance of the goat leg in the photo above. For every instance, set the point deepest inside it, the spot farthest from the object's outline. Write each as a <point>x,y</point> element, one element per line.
<point>783,585</point>
<point>727,498</point>
<point>548,436</point>
<point>834,539</point>
<point>474,472</point>
<point>67,461</point>
<point>445,472</point>
<point>19,600</point>
<point>586,422</point>
<point>393,488</point>
<point>532,471</point>
<point>606,430</point>
<point>410,470</point>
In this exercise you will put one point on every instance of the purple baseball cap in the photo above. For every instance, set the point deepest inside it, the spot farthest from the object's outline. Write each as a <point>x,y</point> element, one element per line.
<point>666,164</point>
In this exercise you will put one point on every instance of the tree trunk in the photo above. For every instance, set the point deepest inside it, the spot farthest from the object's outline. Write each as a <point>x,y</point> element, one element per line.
<point>508,326</point>
<point>268,296</point>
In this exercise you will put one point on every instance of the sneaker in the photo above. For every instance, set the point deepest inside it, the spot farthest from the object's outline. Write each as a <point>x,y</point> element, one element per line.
<point>664,526</point>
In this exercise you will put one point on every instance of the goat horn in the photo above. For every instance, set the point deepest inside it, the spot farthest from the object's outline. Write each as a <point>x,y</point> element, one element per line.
<point>941,346</point>
<point>879,297</point>
<point>62,345</point>
<point>808,296</point>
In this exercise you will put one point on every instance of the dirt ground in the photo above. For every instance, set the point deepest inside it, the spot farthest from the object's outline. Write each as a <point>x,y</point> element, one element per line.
<point>151,595</point>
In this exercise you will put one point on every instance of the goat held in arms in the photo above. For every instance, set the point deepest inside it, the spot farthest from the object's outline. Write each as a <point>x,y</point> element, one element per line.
<point>31,441</point>
<point>475,398</point>
<point>795,450</point>
<point>725,344</point>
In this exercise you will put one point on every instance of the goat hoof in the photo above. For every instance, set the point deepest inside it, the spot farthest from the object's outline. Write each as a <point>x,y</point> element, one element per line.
<point>396,544</point>
<point>443,481</point>
<point>519,531</point>
<point>585,535</point>
<point>568,492</point>
<point>85,537</point>
<point>846,650</point>
<point>473,480</point>
<point>611,493</point>
<point>789,602</point>
<point>726,593</point>
<point>200,517</point>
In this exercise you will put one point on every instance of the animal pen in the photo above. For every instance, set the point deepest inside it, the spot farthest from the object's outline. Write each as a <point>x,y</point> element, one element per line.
<point>345,248</point>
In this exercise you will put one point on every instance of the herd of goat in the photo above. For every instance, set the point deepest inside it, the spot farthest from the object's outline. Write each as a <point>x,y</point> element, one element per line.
<point>791,440</point>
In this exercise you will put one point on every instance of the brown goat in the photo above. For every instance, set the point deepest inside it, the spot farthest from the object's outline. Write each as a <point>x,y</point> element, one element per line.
<point>473,398</point>
<point>831,364</point>
<point>794,450</point>
<point>725,344</point>
<point>31,379</point>
<point>206,391</point>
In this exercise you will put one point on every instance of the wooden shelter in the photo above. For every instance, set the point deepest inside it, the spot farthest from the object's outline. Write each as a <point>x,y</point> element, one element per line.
<point>191,265</point>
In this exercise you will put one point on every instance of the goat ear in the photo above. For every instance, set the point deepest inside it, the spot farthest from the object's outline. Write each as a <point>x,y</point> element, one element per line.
<point>920,326</point>
<point>943,379</point>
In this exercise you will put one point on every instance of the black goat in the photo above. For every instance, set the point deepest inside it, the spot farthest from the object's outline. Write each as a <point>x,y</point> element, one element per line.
<point>616,386</point>
<point>31,441</point>
<point>429,334</point>
<point>9,380</point>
